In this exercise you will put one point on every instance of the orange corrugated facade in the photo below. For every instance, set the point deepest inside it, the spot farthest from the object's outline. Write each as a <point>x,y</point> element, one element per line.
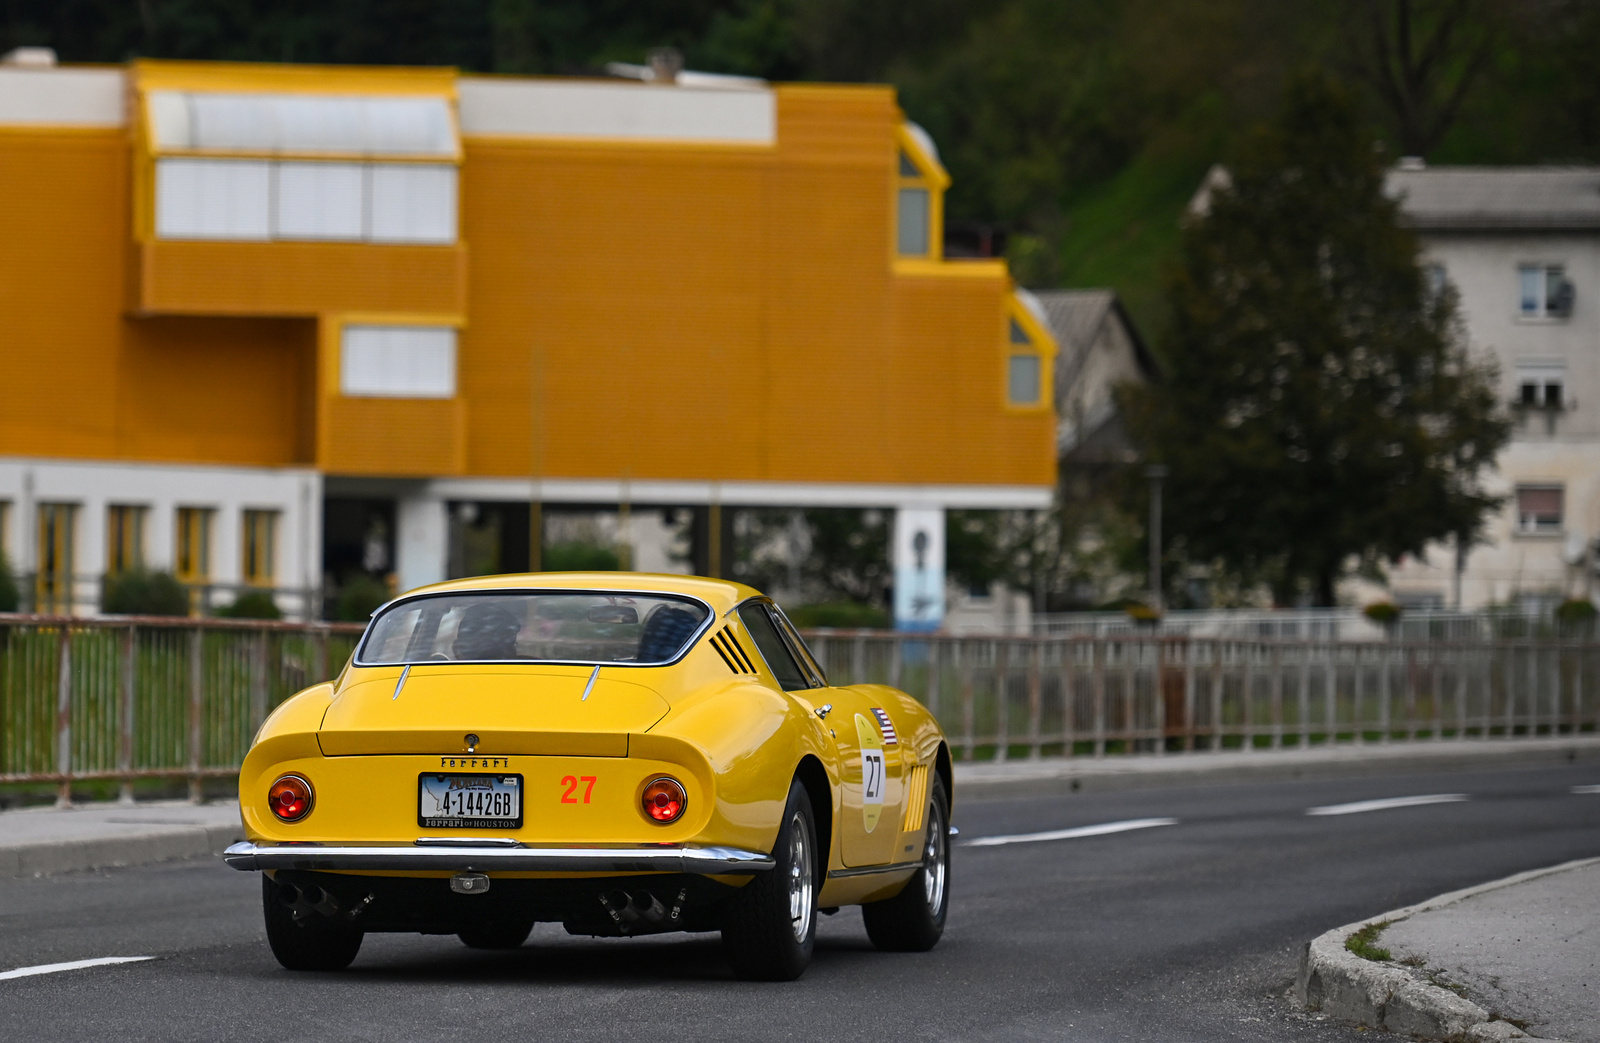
<point>625,311</point>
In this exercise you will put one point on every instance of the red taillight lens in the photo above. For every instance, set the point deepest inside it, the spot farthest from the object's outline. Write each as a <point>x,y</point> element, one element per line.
<point>664,800</point>
<point>290,798</point>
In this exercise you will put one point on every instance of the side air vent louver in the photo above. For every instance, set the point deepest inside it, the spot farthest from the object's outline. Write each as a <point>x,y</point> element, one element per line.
<point>732,652</point>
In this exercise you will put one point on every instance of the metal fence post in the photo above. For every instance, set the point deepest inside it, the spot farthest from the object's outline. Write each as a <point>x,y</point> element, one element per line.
<point>196,683</point>
<point>1275,658</point>
<point>64,718</point>
<point>1002,709</point>
<point>130,645</point>
<point>1384,695</point>
<point>1097,651</point>
<point>1035,695</point>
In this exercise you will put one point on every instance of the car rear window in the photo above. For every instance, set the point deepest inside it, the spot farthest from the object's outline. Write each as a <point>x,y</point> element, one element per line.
<point>534,627</point>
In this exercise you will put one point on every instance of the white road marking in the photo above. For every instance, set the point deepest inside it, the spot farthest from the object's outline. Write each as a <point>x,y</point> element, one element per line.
<point>74,965</point>
<point>1072,834</point>
<point>1586,789</point>
<point>1386,803</point>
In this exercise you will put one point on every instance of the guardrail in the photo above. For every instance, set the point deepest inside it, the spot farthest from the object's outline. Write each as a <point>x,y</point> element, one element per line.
<point>123,699</point>
<point>1007,697</point>
<point>148,697</point>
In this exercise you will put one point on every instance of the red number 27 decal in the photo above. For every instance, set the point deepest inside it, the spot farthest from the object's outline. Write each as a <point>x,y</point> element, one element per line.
<point>571,782</point>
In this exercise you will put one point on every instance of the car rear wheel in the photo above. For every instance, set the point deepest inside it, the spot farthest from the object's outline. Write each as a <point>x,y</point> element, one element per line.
<point>508,935</point>
<point>313,943</point>
<point>770,924</point>
<point>913,920</point>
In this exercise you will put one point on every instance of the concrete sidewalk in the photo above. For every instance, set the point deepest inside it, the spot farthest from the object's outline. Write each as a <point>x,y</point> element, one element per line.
<point>34,841</point>
<point>1052,776</point>
<point>1518,958</point>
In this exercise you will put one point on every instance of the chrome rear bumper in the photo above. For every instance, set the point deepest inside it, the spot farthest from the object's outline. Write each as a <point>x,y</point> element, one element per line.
<point>506,856</point>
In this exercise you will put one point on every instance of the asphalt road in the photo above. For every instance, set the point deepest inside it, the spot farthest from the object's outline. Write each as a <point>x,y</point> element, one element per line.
<point>1186,931</point>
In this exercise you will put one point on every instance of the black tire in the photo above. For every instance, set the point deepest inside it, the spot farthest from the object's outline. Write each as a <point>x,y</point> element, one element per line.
<point>913,920</point>
<point>508,935</point>
<point>316,943</point>
<point>770,924</point>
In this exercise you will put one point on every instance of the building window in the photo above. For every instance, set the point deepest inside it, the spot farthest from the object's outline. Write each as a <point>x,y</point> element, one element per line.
<point>58,539</point>
<point>919,193</point>
<point>1024,366</point>
<point>1545,291</point>
<point>397,362</point>
<point>1539,508</point>
<point>193,556</point>
<point>260,548</point>
<point>260,200</point>
<point>124,539</point>
<point>1541,387</point>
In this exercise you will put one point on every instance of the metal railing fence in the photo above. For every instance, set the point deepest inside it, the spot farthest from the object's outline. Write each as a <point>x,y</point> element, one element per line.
<point>122,699</point>
<point>148,697</point>
<point>1007,697</point>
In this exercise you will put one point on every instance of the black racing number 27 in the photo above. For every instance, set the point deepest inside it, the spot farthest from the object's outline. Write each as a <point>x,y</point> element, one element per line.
<point>571,784</point>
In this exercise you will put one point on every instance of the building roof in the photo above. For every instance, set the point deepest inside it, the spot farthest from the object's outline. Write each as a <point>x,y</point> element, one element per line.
<point>1076,317</point>
<point>1498,198</point>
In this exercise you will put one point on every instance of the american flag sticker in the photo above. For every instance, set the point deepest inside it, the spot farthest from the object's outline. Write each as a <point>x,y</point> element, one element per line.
<point>887,726</point>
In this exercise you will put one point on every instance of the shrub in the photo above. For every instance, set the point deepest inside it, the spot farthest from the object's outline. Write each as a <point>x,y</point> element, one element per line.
<point>1142,613</point>
<point>1576,612</point>
<point>359,598</point>
<point>10,596</point>
<point>252,604</point>
<point>847,615</point>
<point>580,557</point>
<point>1383,613</point>
<point>139,592</point>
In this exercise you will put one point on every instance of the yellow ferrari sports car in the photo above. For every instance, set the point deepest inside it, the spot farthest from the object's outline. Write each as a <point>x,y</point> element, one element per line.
<point>622,754</point>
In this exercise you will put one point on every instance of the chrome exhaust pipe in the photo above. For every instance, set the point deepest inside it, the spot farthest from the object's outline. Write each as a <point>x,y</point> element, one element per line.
<point>321,901</point>
<point>620,905</point>
<point>288,895</point>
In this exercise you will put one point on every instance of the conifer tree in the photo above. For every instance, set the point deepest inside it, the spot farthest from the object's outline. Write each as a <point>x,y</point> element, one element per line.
<point>1320,405</point>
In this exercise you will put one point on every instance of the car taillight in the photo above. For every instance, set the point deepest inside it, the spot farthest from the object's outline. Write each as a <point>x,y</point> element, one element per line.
<point>664,800</point>
<point>290,798</point>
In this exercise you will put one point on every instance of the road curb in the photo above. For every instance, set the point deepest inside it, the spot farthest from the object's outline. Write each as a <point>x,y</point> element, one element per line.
<point>40,858</point>
<point>1386,996</point>
<point>988,780</point>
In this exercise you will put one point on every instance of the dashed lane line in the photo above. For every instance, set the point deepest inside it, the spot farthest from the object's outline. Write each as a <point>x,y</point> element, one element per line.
<point>1072,834</point>
<point>1586,789</point>
<point>73,965</point>
<point>1359,806</point>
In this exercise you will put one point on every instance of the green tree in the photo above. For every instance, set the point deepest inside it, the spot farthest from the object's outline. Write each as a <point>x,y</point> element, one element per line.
<point>10,596</point>
<point>140,592</point>
<point>1320,404</point>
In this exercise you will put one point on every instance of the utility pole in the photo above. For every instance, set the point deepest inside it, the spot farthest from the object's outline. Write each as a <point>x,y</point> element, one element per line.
<point>1155,472</point>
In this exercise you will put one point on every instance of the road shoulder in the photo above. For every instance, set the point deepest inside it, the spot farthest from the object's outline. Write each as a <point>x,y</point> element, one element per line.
<point>1394,997</point>
<point>39,841</point>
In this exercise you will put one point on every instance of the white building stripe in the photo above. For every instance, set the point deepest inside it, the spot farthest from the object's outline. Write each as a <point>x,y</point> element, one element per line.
<point>1357,807</point>
<point>1072,834</point>
<point>73,965</point>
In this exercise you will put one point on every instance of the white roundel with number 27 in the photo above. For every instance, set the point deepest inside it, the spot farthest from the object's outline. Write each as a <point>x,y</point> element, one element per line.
<point>872,773</point>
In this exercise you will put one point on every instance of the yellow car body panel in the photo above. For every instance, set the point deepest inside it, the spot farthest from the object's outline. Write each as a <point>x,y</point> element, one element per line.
<point>586,739</point>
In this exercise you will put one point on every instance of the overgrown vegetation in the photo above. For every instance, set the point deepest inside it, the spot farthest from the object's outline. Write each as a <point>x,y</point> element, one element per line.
<point>141,592</point>
<point>359,598</point>
<point>580,557</point>
<point>252,604</point>
<point>1364,942</point>
<point>10,596</point>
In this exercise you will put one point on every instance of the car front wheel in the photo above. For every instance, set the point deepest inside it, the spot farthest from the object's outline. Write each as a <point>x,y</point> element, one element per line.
<point>770,924</point>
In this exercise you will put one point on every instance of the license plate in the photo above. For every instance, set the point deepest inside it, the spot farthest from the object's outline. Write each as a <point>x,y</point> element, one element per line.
<point>447,800</point>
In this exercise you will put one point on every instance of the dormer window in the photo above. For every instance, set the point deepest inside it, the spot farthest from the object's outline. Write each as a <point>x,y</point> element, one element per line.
<point>919,189</point>
<point>1027,355</point>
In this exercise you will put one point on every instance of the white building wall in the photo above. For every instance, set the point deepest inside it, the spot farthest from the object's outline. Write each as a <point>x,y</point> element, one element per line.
<point>295,493</point>
<point>1559,448</point>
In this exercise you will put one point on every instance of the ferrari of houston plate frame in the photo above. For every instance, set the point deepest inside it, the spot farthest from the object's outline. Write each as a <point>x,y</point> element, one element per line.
<point>469,801</point>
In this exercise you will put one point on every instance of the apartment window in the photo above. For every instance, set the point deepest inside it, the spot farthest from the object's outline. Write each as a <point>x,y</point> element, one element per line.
<point>58,538</point>
<point>1435,278</point>
<point>919,184</point>
<point>1541,387</point>
<point>913,217</point>
<point>124,538</point>
<point>193,556</point>
<point>1024,366</point>
<point>397,362</point>
<point>1539,508</point>
<point>260,548</point>
<point>1545,291</point>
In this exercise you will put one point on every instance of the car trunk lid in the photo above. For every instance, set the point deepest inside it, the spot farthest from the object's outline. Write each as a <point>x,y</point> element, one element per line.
<point>549,710</point>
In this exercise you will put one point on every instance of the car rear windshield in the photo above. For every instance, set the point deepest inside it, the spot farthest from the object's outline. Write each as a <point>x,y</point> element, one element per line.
<point>564,626</point>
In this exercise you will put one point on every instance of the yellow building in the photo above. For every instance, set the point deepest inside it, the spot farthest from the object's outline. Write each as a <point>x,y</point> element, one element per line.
<point>265,324</point>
